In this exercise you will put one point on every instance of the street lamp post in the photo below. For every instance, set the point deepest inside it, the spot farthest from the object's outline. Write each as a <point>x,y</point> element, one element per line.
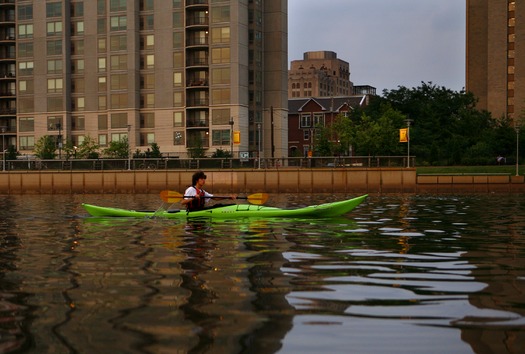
<point>408,121</point>
<point>129,147</point>
<point>231,137</point>
<point>517,147</point>
<point>259,144</point>
<point>59,127</point>
<point>3,149</point>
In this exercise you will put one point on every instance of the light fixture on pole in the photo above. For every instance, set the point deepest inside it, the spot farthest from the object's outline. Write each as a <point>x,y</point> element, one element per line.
<point>3,148</point>
<point>59,127</point>
<point>259,144</point>
<point>231,136</point>
<point>517,127</point>
<point>129,147</point>
<point>408,121</point>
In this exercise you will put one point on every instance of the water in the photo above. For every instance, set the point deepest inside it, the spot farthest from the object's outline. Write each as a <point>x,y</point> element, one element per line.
<point>400,274</point>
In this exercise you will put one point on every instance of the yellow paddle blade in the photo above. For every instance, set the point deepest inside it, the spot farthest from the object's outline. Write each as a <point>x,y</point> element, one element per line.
<point>171,196</point>
<point>257,198</point>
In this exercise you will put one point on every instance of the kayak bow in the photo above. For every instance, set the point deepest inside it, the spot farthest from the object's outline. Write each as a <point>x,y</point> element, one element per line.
<point>234,211</point>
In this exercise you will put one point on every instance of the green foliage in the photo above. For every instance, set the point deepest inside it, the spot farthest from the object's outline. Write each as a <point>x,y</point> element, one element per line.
<point>153,153</point>
<point>45,147</point>
<point>89,149</point>
<point>118,149</point>
<point>11,153</point>
<point>220,153</point>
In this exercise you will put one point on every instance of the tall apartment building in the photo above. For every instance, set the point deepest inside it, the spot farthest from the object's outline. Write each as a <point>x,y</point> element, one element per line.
<point>319,74</point>
<point>180,73</point>
<point>495,55</point>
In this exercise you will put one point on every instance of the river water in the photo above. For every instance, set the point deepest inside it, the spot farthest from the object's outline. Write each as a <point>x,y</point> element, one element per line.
<point>399,274</point>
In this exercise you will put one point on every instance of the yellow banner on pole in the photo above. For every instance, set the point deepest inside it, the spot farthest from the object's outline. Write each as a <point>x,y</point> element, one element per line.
<point>403,135</point>
<point>236,137</point>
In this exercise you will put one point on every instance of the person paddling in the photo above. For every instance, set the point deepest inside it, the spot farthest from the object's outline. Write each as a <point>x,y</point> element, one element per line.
<point>195,197</point>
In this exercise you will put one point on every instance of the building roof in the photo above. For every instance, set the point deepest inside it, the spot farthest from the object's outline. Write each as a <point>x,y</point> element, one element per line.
<point>326,104</point>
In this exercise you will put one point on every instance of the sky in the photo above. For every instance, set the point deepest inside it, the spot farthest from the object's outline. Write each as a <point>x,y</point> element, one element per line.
<point>388,43</point>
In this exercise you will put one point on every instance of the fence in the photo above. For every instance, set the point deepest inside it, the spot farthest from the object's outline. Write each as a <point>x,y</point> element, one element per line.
<point>208,163</point>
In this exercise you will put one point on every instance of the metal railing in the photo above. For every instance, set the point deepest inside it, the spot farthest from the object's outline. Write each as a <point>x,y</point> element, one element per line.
<point>27,164</point>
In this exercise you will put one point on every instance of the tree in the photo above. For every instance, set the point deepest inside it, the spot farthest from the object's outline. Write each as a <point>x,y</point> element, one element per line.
<point>118,149</point>
<point>89,149</point>
<point>220,153</point>
<point>45,147</point>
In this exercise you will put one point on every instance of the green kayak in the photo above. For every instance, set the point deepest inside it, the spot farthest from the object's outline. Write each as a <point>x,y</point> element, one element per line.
<point>234,211</point>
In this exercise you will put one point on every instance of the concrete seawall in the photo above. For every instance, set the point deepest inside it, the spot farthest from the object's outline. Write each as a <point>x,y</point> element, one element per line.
<point>285,180</point>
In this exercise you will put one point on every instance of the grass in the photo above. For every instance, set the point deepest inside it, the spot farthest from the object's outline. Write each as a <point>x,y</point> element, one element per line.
<point>489,169</point>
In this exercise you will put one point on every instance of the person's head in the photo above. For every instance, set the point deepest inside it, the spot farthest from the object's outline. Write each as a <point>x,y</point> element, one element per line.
<point>197,176</point>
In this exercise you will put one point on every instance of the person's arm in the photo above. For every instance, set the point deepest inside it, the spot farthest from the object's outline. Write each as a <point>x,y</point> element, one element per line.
<point>190,192</point>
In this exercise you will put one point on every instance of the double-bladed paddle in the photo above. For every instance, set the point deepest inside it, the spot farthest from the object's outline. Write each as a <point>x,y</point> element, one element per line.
<point>174,197</point>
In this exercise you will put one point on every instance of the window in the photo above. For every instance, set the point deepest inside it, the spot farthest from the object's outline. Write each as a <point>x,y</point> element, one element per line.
<point>77,47</point>
<point>77,28</point>
<point>102,122</point>
<point>101,26</point>
<point>25,68</point>
<point>119,81</point>
<point>119,120</point>
<point>26,105</point>
<point>25,12</point>
<point>25,49</point>
<point>220,14</point>
<point>147,61</point>
<point>78,66</point>
<point>77,123</point>
<point>119,136</point>
<point>146,22</point>
<point>102,102</point>
<point>54,47</point>
<point>25,31</point>
<point>220,55</point>
<point>101,65</point>
<point>318,119</point>
<point>119,100</point>
<point>221,96</point>
<point>79,104</point>
<point>178,99</point>
<point>27,142</point>
<point>102,84</point>
<point>147,120</point>
<point>118,23</point>
<point>54,85</point>
<point>26,86</point>
<point>147,81</point>
<point>54,66</point>
<point>26,124</point>
<point>146,5</point>
<point>220,35</point>
<point>177,40</point>
<point>101,45</point>
<point>78,85</point>
<point>118,42</point>
<point>55,104</point>
<point>178,60</point>
<point>147,42</point>
<point>147,100</point>
<point>220,116</point>
<point>306,120</point>
<point>54,122</point>
<point>178,138</point>
<point>119,62</point>
<point>177,20</point>
<point>177,79</point>
<point>178,119</point>
<point>103,139</point>
<point>220,76</point>
<point>54,9</point>
<point>117,5</point>
<point>77,9</point>
<point>147,139</point>
<point>221,137</point>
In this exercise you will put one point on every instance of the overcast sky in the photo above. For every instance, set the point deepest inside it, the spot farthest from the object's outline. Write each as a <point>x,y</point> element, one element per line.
<point>388,43</point>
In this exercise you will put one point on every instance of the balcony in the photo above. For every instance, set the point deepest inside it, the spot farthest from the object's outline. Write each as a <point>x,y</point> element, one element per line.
<point>197,102</point>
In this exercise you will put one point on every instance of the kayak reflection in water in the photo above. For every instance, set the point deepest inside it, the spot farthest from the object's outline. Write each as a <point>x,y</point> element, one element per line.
<point>195,197</point>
